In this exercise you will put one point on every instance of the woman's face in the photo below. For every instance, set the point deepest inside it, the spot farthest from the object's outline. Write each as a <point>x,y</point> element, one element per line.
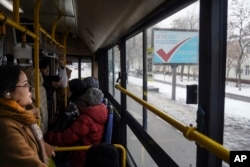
<point>22,93</point>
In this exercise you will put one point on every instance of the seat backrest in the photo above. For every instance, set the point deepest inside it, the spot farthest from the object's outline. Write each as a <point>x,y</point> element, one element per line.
<point>109,125</point>
<point>106,155</point>
<point>122,151</point>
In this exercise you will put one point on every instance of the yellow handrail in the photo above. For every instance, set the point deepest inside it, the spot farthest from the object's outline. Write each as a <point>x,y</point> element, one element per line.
<point>77,148</point>
<point>35,35</point>
<point>189,132</point>
<point>50,37</point>
<point>17,26</point>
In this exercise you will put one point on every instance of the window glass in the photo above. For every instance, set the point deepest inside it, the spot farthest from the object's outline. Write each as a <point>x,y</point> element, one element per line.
<point>86,69</point>
<point>114,67</point>
<point>117,69</point>
<point>172,59</point>
<point>138,152</point>
<point>111,78</point>
<point>134,70</point>
<point>237,103</point>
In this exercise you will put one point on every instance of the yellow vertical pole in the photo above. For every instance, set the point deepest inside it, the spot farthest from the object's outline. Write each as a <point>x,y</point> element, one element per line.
<point>15,14</point>
<point>53,37</point>
<point>55,25</point>
<point>53,34</point>
<point>64,55</point>
<point>36,53</point>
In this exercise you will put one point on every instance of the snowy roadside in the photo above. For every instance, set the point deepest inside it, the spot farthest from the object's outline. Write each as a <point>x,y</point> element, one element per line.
<point>237,117</point>
<point>230,87</point>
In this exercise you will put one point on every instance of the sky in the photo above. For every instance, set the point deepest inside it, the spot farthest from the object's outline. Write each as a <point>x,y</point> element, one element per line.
<point>193,8</point>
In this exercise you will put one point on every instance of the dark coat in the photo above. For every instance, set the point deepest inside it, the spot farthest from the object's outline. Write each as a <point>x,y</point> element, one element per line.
<point>86,130</point>
<point>47,83</point>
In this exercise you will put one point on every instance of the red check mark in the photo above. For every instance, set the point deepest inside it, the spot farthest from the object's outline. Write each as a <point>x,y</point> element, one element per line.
<point>165,56</point>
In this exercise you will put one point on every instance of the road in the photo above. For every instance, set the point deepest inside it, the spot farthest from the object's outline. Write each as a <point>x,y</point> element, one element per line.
<point>180,149</point>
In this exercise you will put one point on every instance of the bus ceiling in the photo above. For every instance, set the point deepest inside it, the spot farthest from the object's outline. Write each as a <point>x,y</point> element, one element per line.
<point>93,24</point>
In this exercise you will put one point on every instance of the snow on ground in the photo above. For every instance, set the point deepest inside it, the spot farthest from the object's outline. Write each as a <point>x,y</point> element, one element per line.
<point>230,87</point>
<point>237,117</point>
<point>231,106</point>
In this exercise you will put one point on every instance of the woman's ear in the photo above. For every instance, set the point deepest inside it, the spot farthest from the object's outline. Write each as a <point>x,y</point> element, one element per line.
<point>7,95</point>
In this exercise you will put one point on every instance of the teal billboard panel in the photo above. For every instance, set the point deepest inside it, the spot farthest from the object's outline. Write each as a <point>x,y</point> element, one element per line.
<point>175,46</point>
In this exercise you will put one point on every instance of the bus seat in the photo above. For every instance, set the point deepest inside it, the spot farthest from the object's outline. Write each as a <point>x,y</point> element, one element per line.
<point>102,155</point>
<point>76,148</point>
<point>109,126</point>
<point>23,55</point>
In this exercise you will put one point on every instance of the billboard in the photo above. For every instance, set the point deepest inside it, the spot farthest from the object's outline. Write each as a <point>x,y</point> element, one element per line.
<point>175,46</point>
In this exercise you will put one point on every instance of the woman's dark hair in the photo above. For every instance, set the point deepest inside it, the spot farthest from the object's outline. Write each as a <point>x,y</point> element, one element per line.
<point>76,88</point>
<point>102,155</point>
<point>9,75</point>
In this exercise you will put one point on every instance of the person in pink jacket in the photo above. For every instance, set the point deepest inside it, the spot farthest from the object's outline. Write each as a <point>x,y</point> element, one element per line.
<point>87,129</point>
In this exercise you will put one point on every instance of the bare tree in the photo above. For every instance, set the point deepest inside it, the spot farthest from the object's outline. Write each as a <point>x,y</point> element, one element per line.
<point>130,44</point>
<point>189,21</point>
<point>134,53</point>
<point>238,31</point>
<point>232,56</point>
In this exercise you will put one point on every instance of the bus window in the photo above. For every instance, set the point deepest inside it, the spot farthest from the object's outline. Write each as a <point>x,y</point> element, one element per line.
<point>166,80</point>
<point>134,71</point>
<point>237,78</point>
<point>114,68</point>
<point>86,69</point>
